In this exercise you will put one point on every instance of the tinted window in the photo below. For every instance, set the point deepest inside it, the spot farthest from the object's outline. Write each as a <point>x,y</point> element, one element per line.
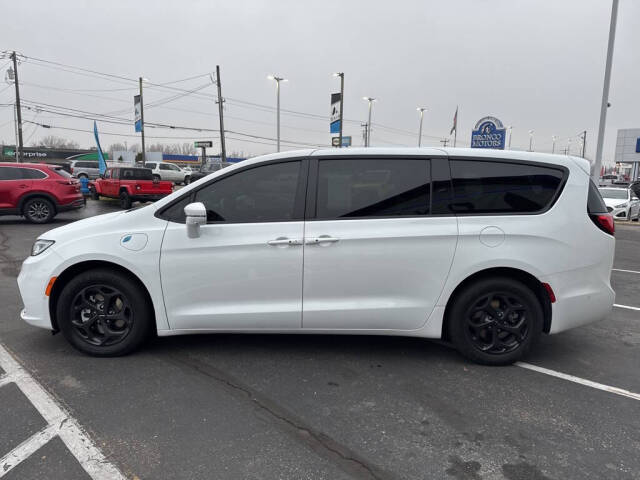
<point>262,194</point>
<point>32,173</point>
<point>150,165</point>
<point>500,187</point>
<point>164,166</point>
<point>10,173</point>
<point>135,174</point>
<point>175,213</point>
<point>595,204</point>
<point>63,173</point>
<point>373,188</point>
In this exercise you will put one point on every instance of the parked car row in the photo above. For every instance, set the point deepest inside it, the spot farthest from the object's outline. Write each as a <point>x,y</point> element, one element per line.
<point>160,170</point>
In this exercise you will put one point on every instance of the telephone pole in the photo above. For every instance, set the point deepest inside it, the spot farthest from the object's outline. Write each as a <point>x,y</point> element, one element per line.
<point>444,142</point>
<point>142,124</point>
<point>365,133</point>
<point>223,150</point>
<point>18,109</point>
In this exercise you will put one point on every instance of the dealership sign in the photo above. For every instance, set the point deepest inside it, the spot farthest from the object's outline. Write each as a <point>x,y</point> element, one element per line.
<point>137,112</point>
<point>488,133</point>
<point>334,117</point>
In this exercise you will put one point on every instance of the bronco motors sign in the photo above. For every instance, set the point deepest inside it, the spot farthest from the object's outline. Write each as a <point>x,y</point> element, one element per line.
<point>488,133</point>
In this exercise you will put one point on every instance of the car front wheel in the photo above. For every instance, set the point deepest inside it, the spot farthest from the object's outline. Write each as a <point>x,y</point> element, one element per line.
<point>103,313</point>
<point>495,321</point>
<point>125,200</point>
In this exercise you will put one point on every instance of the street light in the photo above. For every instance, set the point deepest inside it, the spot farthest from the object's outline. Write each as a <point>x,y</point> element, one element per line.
<point>370,100</point>
<point>141,80</point>
<point>553,148</point>
<point>341,75</point>
<point>510,134</point>
<point>421,110</point>
<point>278,80</point>
<point>531,140</point>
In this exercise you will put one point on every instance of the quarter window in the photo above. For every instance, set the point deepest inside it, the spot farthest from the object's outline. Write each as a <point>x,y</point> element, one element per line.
<point>261,194</point>
<point>501,187</point>
<point>373,188</point>
<point>10,173</point>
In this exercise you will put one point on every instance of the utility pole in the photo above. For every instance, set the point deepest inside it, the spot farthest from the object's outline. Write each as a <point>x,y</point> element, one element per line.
<point>553,139</point>
<point>584,144</point>
<point>370,100</point>
<point>142,123</point>
<point>18,109</point>
<point>605,92</point>
<point>444,142</point>
<point>531,140</point>
<point>365,133</point>
<point>341,75</point>
<point>223,153</point>
<point>421,110</point>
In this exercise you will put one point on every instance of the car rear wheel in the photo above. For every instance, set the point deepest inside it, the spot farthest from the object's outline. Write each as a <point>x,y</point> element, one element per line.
<point>38,210</point>
<point>495,321</point>
<point>94,193</point>
<point>125,200</point>
<point>103,313</point>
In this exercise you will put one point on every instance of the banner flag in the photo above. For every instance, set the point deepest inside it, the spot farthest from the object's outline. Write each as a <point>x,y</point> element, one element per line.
<point>137,113</point>
<point>102,165</point>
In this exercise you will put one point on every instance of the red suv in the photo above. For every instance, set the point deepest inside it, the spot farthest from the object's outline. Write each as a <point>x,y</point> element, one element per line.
<point>37,191</point>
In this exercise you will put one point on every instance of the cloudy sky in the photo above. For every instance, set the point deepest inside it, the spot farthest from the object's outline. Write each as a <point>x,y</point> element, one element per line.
<point>535,64</point>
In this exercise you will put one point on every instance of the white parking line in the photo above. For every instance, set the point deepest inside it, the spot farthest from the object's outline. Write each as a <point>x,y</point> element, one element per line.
<point>628,307</point>
<point>581,381</point>
<point>59,423</point>
<point>627,271</point>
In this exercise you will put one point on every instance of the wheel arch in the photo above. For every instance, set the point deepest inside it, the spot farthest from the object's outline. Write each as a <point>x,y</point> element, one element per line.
<point>509,272</point>
<point>28,196</point>
<point>78,268</point>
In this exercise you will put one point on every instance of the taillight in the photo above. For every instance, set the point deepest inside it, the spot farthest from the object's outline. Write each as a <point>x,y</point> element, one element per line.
<point>604,221</point>
<point>138,187</point>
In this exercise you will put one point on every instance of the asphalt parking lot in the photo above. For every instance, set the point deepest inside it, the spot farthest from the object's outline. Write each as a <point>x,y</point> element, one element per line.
<point>321,407</point>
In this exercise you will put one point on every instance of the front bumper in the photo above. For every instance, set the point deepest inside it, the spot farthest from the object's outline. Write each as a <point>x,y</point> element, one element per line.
<point>619,213</point>
<point>32,283</point>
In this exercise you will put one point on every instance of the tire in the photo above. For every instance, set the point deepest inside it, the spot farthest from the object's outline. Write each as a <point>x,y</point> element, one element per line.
<point>81,320</point>
<point>125,200</point>
<point>483,330</point>
<point>637,216</point>
<point>94,194</point>
<point>39,210</point>
<point>187,180</point>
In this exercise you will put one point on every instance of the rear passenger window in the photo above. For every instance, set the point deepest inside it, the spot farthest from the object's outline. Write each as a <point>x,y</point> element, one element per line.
<point>595,203</point>
<point>32,173</point>
<point>373,188</point>
<point>500,187</point>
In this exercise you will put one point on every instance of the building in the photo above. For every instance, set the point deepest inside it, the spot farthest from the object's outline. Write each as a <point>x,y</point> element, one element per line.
<point>56,156</point>
<point>627,156</point>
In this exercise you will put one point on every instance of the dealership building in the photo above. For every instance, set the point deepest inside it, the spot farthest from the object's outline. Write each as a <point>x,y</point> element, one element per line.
<point>627,155</point>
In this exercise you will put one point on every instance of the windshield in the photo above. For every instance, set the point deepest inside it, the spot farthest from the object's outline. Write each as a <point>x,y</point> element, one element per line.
<point>617,193</point>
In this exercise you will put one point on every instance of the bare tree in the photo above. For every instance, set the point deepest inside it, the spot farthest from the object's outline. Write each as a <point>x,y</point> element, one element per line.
<point>115,147</point>
<point>51,141</point>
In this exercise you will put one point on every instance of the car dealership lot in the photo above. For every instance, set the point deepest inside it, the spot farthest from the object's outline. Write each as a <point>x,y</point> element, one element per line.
<point>260,406</point>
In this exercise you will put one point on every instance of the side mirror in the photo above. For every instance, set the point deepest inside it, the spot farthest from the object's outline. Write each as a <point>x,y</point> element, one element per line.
<point>196,214</point>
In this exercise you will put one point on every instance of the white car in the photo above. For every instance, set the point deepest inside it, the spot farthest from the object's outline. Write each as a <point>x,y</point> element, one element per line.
<point>486,249</point>
<point>622,203</point>
<point>169,171</point>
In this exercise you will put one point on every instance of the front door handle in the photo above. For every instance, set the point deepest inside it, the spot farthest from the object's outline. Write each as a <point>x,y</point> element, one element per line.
<point>284,241</point>
<point>322,239</point>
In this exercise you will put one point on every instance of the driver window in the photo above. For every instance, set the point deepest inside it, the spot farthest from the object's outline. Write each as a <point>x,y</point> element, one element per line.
<point>262,194</point>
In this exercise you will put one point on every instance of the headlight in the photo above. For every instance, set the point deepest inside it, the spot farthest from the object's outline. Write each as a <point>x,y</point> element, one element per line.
<point>622,205</point>
<point>40,246</point>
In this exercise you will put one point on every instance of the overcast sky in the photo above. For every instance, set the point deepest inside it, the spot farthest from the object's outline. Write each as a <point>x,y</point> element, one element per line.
<point>535,64</point>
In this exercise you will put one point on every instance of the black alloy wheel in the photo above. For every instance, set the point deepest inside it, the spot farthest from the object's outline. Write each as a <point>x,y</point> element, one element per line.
<point>38,210</point>
<point>101,315</point>
<point>494,321</point>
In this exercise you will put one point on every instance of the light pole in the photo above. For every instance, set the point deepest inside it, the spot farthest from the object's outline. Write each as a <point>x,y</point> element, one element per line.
<point>510,133</point>
<point>278,80</point>
<point>141,80</point>
<point>531,140</point>
<point>605,92</point>
<point>341,75</point>
<point>421,110</point>
<point>553,148</point>
<point>370,100</point>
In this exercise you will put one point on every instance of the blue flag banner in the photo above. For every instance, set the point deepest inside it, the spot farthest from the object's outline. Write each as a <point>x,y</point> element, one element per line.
<point>102,164</point>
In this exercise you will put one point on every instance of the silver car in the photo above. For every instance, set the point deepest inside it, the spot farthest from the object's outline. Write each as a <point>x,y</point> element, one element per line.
<point>85,169</point>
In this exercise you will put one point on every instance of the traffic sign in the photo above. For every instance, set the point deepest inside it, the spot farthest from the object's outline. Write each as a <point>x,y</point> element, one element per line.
<point>346,141</point>
<point>203,144</point>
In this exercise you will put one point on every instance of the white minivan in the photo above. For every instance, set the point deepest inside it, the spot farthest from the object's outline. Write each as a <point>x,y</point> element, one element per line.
<point>486,249</point>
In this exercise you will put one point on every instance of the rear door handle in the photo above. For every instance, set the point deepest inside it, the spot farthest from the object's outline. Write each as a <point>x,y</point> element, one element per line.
<point>320,240</point>
<point>284,241</point>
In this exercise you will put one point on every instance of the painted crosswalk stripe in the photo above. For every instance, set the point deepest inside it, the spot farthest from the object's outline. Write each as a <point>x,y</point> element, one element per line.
<point>59,423</point>
<point>581,381</point>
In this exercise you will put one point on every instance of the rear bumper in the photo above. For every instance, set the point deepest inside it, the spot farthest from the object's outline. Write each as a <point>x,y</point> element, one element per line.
<point>78,203</point>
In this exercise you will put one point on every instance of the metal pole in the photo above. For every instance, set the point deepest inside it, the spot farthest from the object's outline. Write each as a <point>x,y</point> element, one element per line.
<point>553,148</point>
<point>341,107</point>
<point>421,110</point>
<point>531,140</point>
<point>278,100</point>
<point>369,124</point>
<point>584,144</point>
<point>223,150</point>
<point>605,92</point>
<point>18,109</point>
<point>510,133</point>
<point>142,124</point>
